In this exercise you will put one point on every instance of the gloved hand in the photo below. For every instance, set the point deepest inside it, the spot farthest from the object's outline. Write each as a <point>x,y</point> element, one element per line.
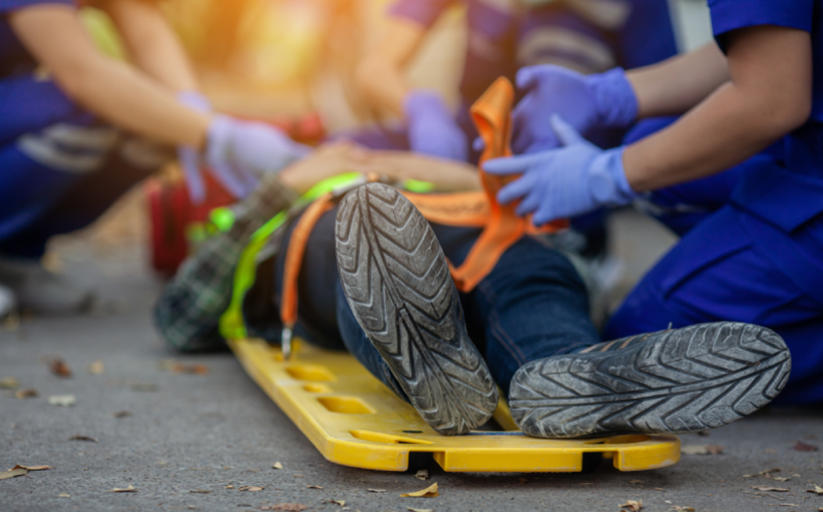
<point>187,156</point>
<point>585,102</point>
<point>564,182</point>
<point>432,128</point>
<point>241,152</point>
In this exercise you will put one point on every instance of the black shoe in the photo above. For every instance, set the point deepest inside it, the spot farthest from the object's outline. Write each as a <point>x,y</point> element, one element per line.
<point>681,380</point>
<point>397,283</point>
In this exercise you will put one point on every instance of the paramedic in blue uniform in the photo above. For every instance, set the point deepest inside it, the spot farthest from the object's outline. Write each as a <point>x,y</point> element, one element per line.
<point>739,175</point>
<point>78,128</point>
<point>588,36</point>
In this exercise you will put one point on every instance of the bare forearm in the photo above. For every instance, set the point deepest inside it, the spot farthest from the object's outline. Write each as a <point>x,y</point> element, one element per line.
<point>152,45</point>
<point>382,75</point>
<point>678,84</point>
<point>769,95</point>
<point>115,92</point>
<point>709,139</point>
<point>446,175</point>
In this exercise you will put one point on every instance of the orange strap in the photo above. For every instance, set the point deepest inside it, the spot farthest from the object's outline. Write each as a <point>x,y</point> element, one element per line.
<point>294,256</point>
<point>502,227</point>
<point>492,117</point>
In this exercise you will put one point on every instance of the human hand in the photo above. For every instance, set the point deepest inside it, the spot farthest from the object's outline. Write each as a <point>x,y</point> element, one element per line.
<point>240,153</point>
<point>564,182</point>
<point>585,102</point>
<point>432,129</point>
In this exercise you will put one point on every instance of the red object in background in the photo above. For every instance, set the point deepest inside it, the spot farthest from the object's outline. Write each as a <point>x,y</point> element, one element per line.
<point>172,213</point>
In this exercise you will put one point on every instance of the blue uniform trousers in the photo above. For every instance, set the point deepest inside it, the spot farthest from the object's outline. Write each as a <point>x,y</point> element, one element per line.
<point>750,251</point>
<point>60,166</point>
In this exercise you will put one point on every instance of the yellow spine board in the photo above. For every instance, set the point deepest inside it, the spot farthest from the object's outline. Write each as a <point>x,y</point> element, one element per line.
<point>354,420</point>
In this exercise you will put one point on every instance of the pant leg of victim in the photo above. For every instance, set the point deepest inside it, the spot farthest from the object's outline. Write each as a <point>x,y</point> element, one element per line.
<point>531,306</point>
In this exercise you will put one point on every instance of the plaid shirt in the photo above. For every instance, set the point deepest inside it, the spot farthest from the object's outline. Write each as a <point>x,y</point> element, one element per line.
<point>187,314</point>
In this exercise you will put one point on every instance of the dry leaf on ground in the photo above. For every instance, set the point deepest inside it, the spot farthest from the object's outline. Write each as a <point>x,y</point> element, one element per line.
<point>422,474</point>
<point>800,446</point>
<point>766,488</point>
<point>635,481</point>
<point>420,509</point>
<point>313,487</point>
<point>251,488</point>
<point>130,488</point>
<point>229,487</point>
<point>817,490</point>
<point>12,473</point>
<point>342,503</point>
<point>376,490</point>
<point>83,438</point>
<point>199,491</point>
<point>684,509</point>
<point>64,495</point>
<point>26,393</point>
<point>632,505</point>
<point>59,367</point>
<point>701,449</point>
<point>194,369</point>
<point>96,368</point>
<point>781,478</point>
<point>277,465</point>
<point>766,473</point>
<point>31,468</point>
<point>429,492</point>
<point>286,507</point>
<point>122,414</point>
<point>62,400</point>
<point>9,383</point>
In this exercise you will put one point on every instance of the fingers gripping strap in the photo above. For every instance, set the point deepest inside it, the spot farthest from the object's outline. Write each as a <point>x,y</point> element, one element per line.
<point>294,256</point>
<point>492,117</point>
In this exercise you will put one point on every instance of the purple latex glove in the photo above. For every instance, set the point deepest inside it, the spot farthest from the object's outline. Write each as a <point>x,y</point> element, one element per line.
<point>187,156</point>
<point>432,128</point>
<point>241,152</point>
<point>564,182</point>
<point>585,102</point>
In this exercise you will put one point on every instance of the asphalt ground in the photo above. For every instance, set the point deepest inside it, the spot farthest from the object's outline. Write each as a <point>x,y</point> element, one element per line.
<point>191,441</point>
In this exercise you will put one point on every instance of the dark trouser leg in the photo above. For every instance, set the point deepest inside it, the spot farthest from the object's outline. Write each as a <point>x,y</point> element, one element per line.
<point>531,306</point>
<point>60,170</point>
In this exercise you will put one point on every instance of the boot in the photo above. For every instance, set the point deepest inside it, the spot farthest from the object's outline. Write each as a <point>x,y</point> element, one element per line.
<point>397,283</point>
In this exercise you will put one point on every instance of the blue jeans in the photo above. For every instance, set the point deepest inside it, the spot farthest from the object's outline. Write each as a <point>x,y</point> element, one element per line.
<point>532,305</point>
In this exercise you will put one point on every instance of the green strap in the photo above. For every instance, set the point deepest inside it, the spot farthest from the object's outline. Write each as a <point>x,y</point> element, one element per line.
<point>232,324</point>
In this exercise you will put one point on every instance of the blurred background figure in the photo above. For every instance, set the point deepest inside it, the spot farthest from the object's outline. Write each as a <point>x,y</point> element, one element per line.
<point>81,123</point>
<point>587,36</point>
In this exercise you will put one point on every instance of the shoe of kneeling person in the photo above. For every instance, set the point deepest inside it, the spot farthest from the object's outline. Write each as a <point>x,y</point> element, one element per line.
<point>681,380</point>
<point>397,283</point>
<point>40,291</point>
<point>8,302</point>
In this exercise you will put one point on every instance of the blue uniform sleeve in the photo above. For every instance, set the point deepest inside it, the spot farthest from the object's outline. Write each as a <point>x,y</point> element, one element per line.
<point>424,12</point>
<point>13,5</point>
<point>728,15</point>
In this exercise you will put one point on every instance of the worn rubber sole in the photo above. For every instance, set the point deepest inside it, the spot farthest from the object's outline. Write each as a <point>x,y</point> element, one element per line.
<point>397,283</point>
<point>683,380</point>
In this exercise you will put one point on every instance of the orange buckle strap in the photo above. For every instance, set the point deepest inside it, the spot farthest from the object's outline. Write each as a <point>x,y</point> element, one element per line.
<point>291,268</point>
<point>502,227</point>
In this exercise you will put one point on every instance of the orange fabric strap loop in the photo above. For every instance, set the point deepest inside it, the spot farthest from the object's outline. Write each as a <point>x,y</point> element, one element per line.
<point>294,256</point>
<point>492,117</point>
